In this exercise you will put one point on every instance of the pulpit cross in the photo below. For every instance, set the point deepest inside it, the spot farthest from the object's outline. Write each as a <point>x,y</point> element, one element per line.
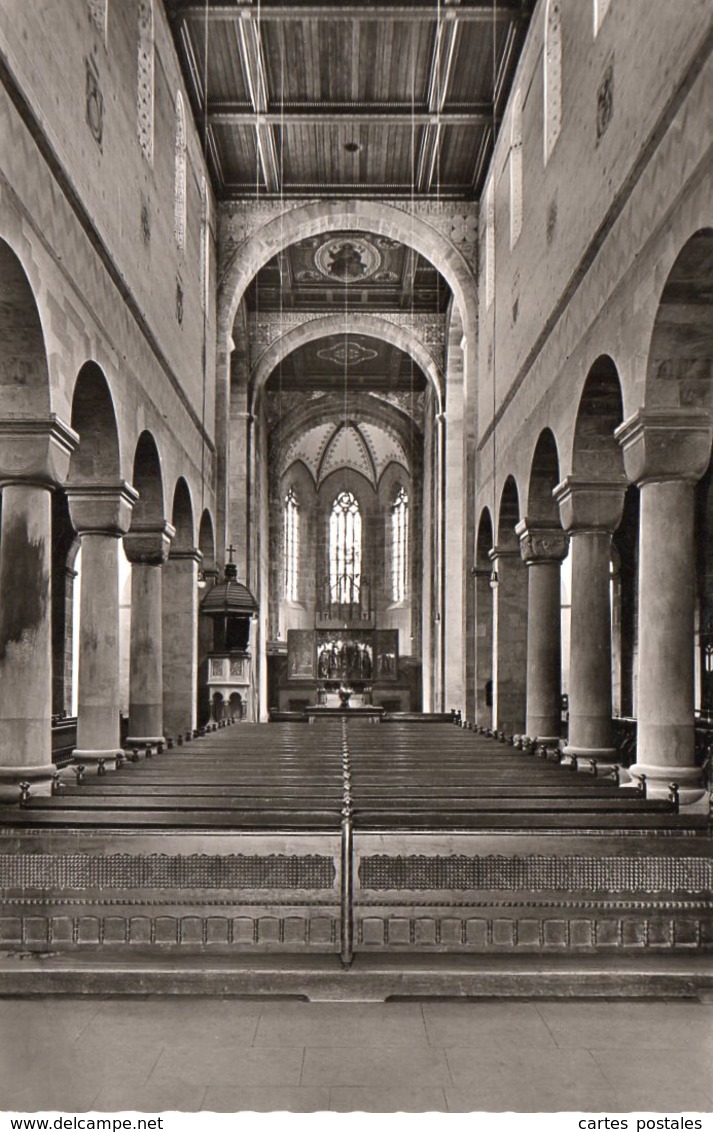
<point>231,551</point>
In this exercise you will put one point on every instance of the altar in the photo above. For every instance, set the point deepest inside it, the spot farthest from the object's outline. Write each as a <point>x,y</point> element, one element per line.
<point>311,668</point>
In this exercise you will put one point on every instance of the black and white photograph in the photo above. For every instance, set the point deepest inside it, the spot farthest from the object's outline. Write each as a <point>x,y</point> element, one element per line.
<point>356,563</point>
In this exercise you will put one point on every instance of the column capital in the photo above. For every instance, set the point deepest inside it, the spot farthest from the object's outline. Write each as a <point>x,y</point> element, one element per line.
<point>500,552</point>
<point>541,541</point>
<point>185,554</point>
<point>590,505</point>
<point>148,543</point>
<point>666,444</point>
<point>36,451</point>
<point>101,509</point>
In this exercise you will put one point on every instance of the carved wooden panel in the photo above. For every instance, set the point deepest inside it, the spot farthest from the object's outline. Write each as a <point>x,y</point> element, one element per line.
<point>537,873</point>
<point>77,871</point>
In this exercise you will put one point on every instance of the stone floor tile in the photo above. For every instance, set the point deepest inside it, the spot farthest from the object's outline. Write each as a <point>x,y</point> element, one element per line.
<point>383,1066</point>
<point>664,1076</point>
<point>87,1069</point>
<point>485,1023</point>
<point>350,1098</point>
<point>42,1094</point>
<point>340,1024</point>
<point>251,1098</point>
<point>635,1099</point>
<point>528,1080</point>
<point>240,1065</point>
<point>628,1024</point>
<point>56,1017</point>
<point>507,1097</point>
<point>171,1094</point>
<point>175,1022</point>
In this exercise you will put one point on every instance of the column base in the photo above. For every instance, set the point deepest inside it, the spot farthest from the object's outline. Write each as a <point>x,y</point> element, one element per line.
<point>92,758</point>
<point>39,778</point>
<point>136,742</point>
<point>659,779</point>
<point>599,754</point>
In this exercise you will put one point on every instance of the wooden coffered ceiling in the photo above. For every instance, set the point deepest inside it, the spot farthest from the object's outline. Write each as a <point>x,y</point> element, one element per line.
<point>346,364</point>
<point>386,276</point>
<point>383,98</point>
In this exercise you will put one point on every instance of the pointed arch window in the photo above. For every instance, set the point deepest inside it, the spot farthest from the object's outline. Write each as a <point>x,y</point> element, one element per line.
<point>205,244</point>
<point>516,169</point>
<point>145,87</point>
<point>489,244</point>
<point>553,75</point>
<point>179,188</point>
<point>399,546</point>
<point>291,545</point>
<point>345,549</point>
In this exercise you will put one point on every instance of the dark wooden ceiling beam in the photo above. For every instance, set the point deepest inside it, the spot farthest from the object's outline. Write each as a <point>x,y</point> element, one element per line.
<point>222,114</point>
<point>483,11</point>
<point>253,64</point>
<point>444,50</point>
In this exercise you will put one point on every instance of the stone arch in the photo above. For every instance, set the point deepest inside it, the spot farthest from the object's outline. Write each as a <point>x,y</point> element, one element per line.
<point>596,454</point>
<point>544,477</point>
<point>330,488</point>
<point>509,582</point>
<point>350,215</point>
<point>148,481</point>
<point>679,379</point>
<point>485,540</point>
<point>24,372</point>
<point>680,360</point>
<point>508,514</point>
<point>182,517</point>
<point>484,543</point>
<point>365,324</point>
<point>206,540</point>
<point>97,458</point>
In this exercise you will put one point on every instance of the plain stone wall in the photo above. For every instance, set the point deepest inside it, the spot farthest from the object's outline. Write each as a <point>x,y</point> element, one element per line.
<point>71,209</point>
<point>628,181</point>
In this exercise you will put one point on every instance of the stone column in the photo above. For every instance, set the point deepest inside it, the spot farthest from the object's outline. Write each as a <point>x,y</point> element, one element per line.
<point>205,646</point>
<point>100,515</point>
<point>483,644</point>
<point>180,640</point>
<point>590,511</point>
<point>543,547</point>
<point>509,641</point>
<point>666,451</point>
<point>146,548</point>
<point>34,457</point>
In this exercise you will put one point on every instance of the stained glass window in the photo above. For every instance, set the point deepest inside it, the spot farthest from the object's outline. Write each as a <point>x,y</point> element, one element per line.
<point>399,546</point>
<point>345,549</point>
<point>291,538</point>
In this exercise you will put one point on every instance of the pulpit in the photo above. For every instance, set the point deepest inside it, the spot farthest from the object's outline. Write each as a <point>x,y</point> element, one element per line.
<point>230,676</point>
